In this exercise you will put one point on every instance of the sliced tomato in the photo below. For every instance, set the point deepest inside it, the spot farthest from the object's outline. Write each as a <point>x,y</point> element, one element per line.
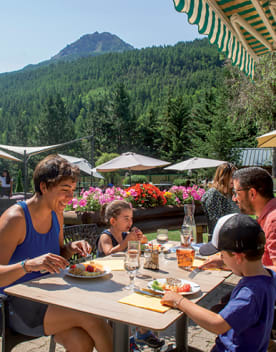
<point>184,288</point>
<point>90,268</point>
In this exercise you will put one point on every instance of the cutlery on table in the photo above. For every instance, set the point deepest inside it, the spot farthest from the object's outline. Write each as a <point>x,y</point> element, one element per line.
<point>148,292</point>
<point>194,273</point>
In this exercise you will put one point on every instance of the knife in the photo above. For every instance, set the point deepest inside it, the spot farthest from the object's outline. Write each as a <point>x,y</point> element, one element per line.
<point>148,293</point>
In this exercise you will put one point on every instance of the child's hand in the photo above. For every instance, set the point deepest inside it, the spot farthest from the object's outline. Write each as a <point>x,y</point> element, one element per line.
<point>213,261</point>
<point>171,299</point>
<point>137,233</point>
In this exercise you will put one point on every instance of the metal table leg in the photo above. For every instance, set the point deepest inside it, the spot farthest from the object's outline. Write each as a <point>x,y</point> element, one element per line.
<point>120,337</point>
<point>182,334</point>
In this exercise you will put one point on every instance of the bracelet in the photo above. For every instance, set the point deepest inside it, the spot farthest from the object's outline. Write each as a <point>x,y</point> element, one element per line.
<point>176,304</point>
<point>23,266</point>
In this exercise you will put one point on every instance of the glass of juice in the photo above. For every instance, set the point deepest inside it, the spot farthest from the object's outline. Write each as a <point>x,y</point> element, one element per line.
<point>185,257</point>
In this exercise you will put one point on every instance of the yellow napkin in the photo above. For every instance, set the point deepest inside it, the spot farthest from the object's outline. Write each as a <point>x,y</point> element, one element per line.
<point>144,301</point>
<point>198,262</point>
<point>113,264</point>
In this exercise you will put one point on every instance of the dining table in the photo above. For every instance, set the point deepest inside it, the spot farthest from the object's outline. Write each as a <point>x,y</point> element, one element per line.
<point>107,298</point>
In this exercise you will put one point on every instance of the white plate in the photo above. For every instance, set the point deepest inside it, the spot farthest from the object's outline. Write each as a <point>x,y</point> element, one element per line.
<point>194,287</point>
<point>105,272</point>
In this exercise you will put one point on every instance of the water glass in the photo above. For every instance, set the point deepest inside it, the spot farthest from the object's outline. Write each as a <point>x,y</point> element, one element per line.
<point>131,265</point>
<point>162,235</point>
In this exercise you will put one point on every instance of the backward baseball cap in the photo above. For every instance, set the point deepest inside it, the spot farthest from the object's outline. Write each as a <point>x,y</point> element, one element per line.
<point>234,232</point>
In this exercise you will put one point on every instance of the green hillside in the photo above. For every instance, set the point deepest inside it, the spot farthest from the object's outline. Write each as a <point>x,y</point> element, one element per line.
<point>171,102</point>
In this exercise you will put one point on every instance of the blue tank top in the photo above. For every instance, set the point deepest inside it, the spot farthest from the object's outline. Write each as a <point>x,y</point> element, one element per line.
<point>113,239</point>
<point>35,244</point>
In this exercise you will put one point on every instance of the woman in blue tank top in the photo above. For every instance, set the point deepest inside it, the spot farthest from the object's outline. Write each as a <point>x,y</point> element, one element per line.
<point>31,241</point>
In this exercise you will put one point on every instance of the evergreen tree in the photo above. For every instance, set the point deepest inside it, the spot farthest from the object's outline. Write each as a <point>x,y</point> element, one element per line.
<point>54,125</point>
<point>175,133</point>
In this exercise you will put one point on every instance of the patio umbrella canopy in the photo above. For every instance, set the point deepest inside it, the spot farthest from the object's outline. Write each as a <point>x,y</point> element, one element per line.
<point>83,165</point>
<point>267,140</point>
<point>5,155</point>
<point>243,29</point>
<point>131,161</point>
<point>195,163</point>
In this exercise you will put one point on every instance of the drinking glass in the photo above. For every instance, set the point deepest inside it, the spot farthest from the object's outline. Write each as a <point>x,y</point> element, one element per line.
<point>185,257</point>
<point>162,235</point>
<point>186,235</point>
<point>131,264</point>
<point>134,246</point>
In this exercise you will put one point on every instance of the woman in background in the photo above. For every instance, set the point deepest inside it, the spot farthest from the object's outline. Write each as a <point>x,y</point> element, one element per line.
<point>6,184</point>
<point>217,201</point>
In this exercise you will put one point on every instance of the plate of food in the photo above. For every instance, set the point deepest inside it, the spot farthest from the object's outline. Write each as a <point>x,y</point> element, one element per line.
<point>183,287</point>
<point>86,270</point>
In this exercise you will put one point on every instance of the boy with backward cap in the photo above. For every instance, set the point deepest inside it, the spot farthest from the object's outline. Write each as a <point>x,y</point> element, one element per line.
<point>245,323</point>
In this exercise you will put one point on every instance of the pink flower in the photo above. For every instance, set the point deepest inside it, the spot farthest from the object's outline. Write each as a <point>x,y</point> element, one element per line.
<point>82,202</point>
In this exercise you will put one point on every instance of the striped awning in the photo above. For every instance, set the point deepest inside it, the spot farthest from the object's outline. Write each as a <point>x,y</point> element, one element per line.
<point>243,29</point>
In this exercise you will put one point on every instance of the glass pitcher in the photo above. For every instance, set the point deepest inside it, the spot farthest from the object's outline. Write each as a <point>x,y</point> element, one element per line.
<point>189,220</point>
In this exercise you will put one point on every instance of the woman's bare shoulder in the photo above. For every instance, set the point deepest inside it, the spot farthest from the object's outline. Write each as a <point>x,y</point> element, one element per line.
<point>13,216</point>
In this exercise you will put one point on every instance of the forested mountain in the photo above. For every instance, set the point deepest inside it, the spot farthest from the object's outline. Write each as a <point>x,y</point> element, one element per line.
<point>171,102</point>
<point>88,45</point>
<point>92,45</point>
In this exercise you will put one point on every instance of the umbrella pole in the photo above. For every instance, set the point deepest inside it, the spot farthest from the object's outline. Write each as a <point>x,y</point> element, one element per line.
<point>129,177</point>
<point>25,175</point>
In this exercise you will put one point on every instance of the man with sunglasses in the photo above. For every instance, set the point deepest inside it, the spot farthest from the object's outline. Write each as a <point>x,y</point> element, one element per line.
<point>253,192</point>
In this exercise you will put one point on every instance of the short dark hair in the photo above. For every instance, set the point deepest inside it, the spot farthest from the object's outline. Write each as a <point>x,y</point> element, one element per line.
<point>255,177</point>
<point>52,170</point>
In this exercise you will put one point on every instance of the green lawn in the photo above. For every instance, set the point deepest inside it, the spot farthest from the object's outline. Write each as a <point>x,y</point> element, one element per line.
<point>174,235</point>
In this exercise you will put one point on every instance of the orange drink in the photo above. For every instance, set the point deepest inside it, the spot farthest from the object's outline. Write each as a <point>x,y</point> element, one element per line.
<point>185,256</point>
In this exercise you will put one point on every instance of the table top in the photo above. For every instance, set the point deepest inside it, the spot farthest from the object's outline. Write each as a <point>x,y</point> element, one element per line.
<point>99,296</point>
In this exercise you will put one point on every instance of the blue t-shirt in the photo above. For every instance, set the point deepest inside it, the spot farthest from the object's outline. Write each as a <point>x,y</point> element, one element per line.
<point>35,244</point>
<point>250,314</point>
<point>113,239</point>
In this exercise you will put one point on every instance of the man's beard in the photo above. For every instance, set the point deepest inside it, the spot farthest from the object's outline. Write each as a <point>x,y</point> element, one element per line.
<point>247,207</point>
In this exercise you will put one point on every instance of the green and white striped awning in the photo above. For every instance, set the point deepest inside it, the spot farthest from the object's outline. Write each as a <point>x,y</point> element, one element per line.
<point>243,29</point>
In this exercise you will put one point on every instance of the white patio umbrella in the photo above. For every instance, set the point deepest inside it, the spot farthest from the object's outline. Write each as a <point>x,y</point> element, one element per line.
<point>131,161</point>
<point>267,140</point>
<point>28,152</point>
<point>83,165</point>
<point>195,163</point>
<point>5,155</point>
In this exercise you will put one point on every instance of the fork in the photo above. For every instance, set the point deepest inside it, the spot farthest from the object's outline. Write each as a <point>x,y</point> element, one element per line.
<point>194,273</point>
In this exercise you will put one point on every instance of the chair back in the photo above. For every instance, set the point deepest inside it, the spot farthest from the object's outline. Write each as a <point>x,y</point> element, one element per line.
<point>87,232</point>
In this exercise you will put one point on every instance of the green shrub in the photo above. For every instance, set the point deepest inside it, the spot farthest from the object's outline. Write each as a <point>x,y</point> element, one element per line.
<point>135,179</point>
<point>19,184</point>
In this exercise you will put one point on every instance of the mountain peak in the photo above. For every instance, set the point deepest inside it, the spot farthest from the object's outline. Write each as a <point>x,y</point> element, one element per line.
<point>91,45</point>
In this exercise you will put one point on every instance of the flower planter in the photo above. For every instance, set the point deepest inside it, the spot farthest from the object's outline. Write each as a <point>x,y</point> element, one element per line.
<point>148,219</point>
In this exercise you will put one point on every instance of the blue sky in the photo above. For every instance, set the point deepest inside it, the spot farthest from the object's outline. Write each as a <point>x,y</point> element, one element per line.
<point>35,30</point>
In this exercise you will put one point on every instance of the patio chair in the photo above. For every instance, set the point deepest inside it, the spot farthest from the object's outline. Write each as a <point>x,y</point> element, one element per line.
<point>11,338</point>
<point>88,232</point>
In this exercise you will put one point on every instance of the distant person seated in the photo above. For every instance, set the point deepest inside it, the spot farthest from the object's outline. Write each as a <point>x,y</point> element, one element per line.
<point>6,184</point>
<point>217,201</point>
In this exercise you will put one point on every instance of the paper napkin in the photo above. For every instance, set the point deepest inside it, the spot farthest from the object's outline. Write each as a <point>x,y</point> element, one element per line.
<point>113,264</point>
<point>144,301</point>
